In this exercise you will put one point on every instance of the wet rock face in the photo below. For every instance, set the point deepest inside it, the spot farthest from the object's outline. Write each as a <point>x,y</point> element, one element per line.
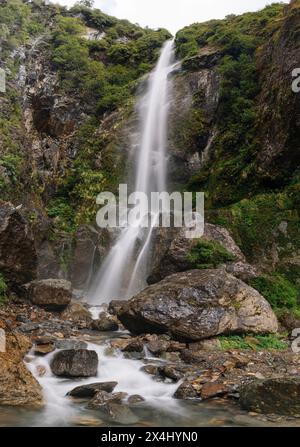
<point>17,385</point>
<point>75,363</point>
<point>53,294</point>
<point>172,247</point>
<point>52,114</point>
<point>272,396</point>
<point>105,323</point>
<point>279,111</point>
<point>83,257</point>
<point>193,88</point>
<point>18,259</point>
<point>198,304</point>
<point>92,389</point>
<point>102,398</point>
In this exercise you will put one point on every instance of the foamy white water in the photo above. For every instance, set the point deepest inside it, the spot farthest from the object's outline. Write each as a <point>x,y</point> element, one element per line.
<point>125,269</point>
<point>61,410</point>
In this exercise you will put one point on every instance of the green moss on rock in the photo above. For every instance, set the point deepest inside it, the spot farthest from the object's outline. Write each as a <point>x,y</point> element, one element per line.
<point>208,254</point>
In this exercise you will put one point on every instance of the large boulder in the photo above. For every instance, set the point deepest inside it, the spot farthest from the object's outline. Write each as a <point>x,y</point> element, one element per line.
<point>172,248</point>
<point>269,396</point>
<point>17,385</point>
<point>18,259</point>
<point>53,294</point>
<point>199,304</point>
<point>75,363</point>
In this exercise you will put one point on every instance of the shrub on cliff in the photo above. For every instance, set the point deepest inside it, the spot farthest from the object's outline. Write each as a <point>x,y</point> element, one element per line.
<point>3,289</point>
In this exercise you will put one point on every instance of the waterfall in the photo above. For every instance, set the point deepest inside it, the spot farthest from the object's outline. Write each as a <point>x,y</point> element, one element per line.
<point>124,271</point>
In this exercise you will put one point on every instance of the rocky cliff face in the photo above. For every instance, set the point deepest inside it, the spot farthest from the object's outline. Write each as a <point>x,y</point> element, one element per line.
<point>68,110</point>
<point>71,78</point>
<point>237,135</point>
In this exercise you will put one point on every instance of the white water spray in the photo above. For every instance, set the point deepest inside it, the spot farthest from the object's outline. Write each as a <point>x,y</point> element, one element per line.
<point>125,269</point>
<point>62,411</point>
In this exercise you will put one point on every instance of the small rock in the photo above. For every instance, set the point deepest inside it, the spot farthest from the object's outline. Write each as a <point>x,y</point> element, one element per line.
<point>105,323</point>
<point>43,340</point>
<point>75,363</point>
<point>87,422</point>
<point>115,306</point>
<point>70,344</point>
<point>135,399</point>
<point>44,349</point>
<point>119,413</point>
<point>134,355</point>
<point>40,370</point>
<point>259,376</point>
<point>119,343</point>
<point>185,391</point>
<point>171,372</point>
<point>102,398</point>
<point>210,390</point>
<point>135,346</point>
<point>92,389</point>
<point>158,347</point>
<point>22,319</point>
<point>77,313</point>
<point>152,370</point>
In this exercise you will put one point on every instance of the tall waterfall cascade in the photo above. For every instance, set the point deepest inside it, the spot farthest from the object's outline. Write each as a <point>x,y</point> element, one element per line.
<point>125,269</point>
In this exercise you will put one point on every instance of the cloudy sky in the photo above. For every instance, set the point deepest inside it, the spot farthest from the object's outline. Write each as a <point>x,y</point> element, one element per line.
<point>174,14</point>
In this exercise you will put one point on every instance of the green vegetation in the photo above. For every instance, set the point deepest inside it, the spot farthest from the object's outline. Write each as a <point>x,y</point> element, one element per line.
<point>262,214</point>
<point>11,152</point>
<point>103,70</point>
<point>258,225</point>
<point>279,291</point>
<point>209,254</point>
<point>234,35</point>
<point>3,289</point>
<point>62,213</point>
<point>17,23</point>
<point>255,343</point>
<point>99,61</point>
<point>238,39</point>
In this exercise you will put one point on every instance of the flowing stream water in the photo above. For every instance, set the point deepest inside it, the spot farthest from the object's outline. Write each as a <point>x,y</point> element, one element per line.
<point>159,409</point>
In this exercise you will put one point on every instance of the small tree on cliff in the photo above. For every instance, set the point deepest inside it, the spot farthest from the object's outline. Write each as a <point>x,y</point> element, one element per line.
<point>86,3</point>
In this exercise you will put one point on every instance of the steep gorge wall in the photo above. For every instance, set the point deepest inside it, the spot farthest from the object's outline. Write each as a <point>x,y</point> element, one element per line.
<point>237,135</point>
<point>65,119</point>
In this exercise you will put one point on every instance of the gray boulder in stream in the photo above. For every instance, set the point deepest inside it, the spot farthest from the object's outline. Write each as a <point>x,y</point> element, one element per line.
<point>199,304</point>
<point>75,363</point>
<point>91,389</point>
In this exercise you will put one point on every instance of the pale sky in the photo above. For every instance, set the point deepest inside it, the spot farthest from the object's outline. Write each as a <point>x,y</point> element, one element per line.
<point>174,14</point>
